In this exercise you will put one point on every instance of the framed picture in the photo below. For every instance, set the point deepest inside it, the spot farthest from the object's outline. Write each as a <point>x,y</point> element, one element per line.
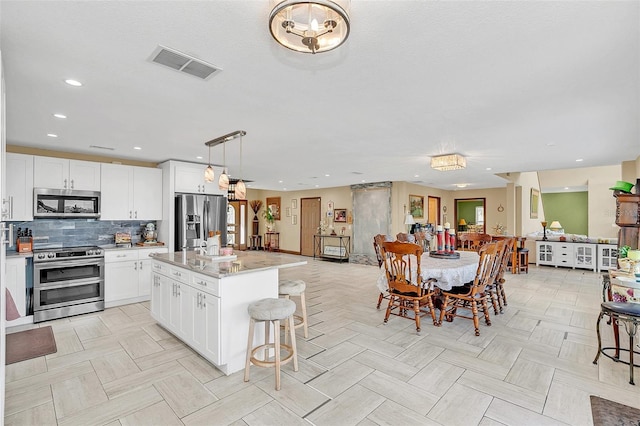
<point>288,211</point>
<point>273,204</point>
<point>416,206</point>
<point>340,215</point>
<point>330,206</point>
<point>294,203</point>
<point>535,200</point>
<point>294,219</point>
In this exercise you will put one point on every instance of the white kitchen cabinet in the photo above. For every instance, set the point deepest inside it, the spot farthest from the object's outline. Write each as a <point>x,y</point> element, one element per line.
<point>61,173</point>
<point>128,276</point>
<point>210,314</point>
<point>18,195</point>
<point>131,193</point>
<point>190,178</point>
<point>564,253</point>
<point>16,279</point>
<point>607,257</point>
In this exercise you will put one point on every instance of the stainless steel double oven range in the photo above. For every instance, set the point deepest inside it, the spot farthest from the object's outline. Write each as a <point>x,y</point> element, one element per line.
<point>67,281</point>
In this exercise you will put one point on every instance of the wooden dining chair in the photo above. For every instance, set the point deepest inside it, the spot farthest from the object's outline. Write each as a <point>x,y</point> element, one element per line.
<point>471,241</point>
<point>492,288</point>
<point>409,296</point>
<point>405,238</point>
<point>473,296</point>
<point>422,239</point>
<point>498,285</point>
<point>377,246</point>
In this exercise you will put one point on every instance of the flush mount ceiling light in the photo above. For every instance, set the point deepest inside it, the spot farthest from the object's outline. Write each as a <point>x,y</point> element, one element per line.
<point>310,26</point>
<point>448,162</point>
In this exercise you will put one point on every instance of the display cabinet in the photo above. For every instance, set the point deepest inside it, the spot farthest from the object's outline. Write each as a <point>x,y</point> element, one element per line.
<point>607,257</point>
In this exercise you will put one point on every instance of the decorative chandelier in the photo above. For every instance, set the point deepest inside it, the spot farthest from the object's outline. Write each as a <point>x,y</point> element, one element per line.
<point>310,26</point>
<point>448,162</point>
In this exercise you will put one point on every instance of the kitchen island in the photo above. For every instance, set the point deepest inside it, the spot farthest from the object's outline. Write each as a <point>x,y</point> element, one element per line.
<point>203,300</point>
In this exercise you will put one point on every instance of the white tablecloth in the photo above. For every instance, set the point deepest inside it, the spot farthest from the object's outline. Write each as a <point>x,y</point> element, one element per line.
<point>449,273</point>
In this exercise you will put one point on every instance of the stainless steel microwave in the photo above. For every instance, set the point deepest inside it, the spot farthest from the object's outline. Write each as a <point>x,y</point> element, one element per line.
<point>65,203</point>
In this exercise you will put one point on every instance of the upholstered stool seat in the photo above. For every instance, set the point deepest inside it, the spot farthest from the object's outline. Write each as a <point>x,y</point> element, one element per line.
<point>288,288</point>
<point>271,311</point>
<point>523,260</point>
<point>627,314</point>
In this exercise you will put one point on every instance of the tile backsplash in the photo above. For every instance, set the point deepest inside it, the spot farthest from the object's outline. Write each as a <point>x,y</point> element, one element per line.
<point>52,233</point>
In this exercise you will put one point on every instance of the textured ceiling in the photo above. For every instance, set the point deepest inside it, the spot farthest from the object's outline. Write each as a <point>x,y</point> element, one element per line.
<point>513,86</point>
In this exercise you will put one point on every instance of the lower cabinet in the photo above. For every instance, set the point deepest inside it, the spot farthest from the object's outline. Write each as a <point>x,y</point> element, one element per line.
<point>16,281</point>
<point>607,257</point>
<point>127,275</point>
<point>569,254</point>
<point>210,314</point>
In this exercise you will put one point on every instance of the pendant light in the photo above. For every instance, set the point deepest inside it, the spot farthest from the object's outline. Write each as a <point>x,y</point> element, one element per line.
<point>223,181</point>
<point>241,189</point>
<point>209,174</point>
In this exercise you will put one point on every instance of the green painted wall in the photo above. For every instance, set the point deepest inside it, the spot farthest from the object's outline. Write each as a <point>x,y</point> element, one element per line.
<point>571,209</point>
<point>467,210</point>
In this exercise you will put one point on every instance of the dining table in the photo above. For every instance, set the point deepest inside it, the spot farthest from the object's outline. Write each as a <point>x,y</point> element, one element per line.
<point>448,272</point>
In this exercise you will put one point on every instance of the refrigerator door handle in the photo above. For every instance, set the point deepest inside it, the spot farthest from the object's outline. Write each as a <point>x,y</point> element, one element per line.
<point>207,218</point>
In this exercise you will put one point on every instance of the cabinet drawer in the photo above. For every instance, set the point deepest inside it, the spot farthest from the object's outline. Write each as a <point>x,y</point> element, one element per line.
<point>206,284</point>
<point>179,275</point>
<point>146,253</point>
<point>120,255</point>
<point>161,268</point>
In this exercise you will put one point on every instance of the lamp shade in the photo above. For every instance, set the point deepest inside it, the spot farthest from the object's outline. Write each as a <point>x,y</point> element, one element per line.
<point>409,220</point>
<point>555,225</point>
<point>462,222</point>
<point>209,175</point>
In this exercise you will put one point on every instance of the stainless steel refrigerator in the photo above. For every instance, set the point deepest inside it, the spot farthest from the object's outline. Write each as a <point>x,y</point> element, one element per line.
<point>196,215</point>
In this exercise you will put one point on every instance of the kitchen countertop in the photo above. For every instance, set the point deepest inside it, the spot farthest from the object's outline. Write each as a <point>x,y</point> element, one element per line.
<point>246,262</point>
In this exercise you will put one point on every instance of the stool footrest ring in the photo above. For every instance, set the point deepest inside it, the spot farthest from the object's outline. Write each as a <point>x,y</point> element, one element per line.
<point>265,363</point>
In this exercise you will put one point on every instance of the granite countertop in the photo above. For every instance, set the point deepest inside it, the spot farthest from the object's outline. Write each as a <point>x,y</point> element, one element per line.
<point>246,262</point>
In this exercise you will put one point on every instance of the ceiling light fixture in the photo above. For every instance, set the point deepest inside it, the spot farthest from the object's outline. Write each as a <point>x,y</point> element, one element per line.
<point>74,83</point>
<point>310,26</point>
<point>59,116</point>
<point>209,174</point>
<point>52,135</point>
<point>240,188</point>
<point>448,162</point>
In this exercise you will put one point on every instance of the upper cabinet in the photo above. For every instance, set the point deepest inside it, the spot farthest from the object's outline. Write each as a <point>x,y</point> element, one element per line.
<point>60,173</point>
<point>18,198</point>
<point>131,193</point>
<point>190,178</point>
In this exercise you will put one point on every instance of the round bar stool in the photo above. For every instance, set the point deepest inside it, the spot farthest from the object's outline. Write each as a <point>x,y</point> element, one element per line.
<point>288,288</point>
<point>523,260</point>
<point>271,311</point>
<point>629,315</point>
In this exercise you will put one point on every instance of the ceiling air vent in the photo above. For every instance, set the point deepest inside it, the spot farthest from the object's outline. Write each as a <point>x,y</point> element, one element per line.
<point>184,63</point>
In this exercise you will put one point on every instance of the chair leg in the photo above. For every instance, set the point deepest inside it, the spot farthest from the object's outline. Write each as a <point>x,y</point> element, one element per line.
<point>443,308</point>
<point>595,361</point>
<point>494,299</point>
<point>503,295</point>
<point>247,365</point>
<point>485,309</point>
<point>432,310</point>
<point>276,346</point>
<point>294,346</point>
<point>474,312</point>
<point>379,300</point>
<point>303,306</point>
<point>388,313</point>
<point>416,310</point>
<point>286,325</point>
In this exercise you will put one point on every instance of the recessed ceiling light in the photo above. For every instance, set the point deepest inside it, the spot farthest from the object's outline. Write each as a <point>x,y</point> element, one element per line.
<point>327,175</point>
<point>284,189</point>
<point>461,185</point>
<point>415,176</point>
<point>551,144</point>
<point>279,181</point>
<point>566,187</point>
<point>137,148</point>
<point>52,135</point>
<point>59,116</point>
<point>579,160</point>
<point>317,186</point>
<point>199,157</point>
<point>488,168</point>
<point>74,83</point>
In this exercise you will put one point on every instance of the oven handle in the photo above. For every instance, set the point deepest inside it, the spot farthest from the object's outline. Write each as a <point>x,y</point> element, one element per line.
<point>68,263</point>
<point>67,284</point>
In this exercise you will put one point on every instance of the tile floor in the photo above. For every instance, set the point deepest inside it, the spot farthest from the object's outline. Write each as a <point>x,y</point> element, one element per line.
<point>533,366</point>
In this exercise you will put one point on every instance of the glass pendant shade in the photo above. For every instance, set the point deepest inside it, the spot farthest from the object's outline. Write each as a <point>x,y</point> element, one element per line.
<point>240,191</point>
<point>310,26</point>
<point>209,175</point>
<point>223,181</point>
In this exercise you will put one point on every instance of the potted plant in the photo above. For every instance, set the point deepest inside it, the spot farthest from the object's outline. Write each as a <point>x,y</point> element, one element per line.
<point>271,221</point>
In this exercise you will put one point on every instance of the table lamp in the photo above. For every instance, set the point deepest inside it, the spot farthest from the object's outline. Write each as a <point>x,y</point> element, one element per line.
<point>462,225</point>
<point>555,226</point>
<point>544,230</point>
<point>409,220</point>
